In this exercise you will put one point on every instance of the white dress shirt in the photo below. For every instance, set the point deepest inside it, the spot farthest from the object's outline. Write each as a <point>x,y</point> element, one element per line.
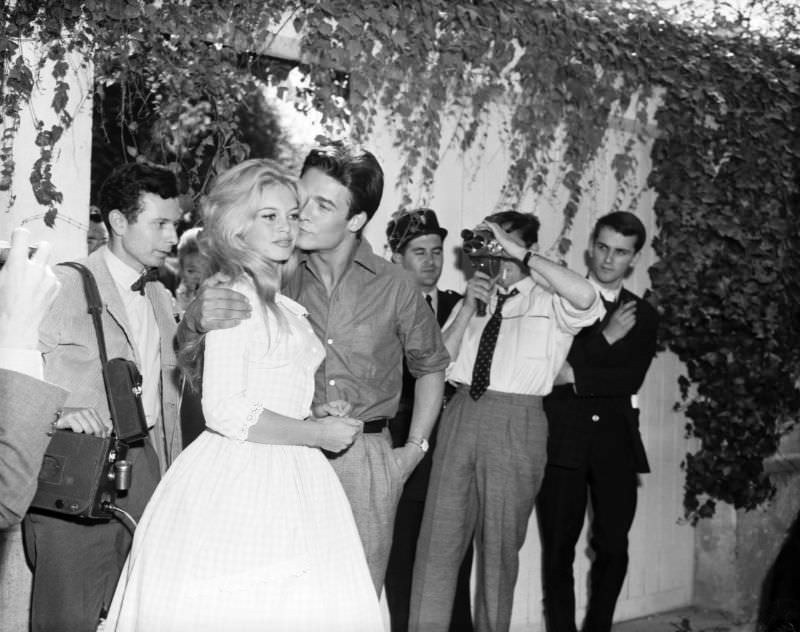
<point>535,336</point>
<point>610,296</point>
<point>434,294</point>
<point>144,329</point>
<point>27,361</point>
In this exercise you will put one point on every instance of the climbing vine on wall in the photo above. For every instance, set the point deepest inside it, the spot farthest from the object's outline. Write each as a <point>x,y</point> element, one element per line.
<point>725,166</point>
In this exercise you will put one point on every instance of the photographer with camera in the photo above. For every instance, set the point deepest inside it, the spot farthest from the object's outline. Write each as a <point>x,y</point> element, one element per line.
<point>491,448</point>
<point>28,404</point>
<point>77,561</point>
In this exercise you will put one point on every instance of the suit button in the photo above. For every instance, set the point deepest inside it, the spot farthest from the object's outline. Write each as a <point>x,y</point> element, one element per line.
<point>595,417</point>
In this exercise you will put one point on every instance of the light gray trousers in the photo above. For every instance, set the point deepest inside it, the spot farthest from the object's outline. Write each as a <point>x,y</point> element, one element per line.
<point>487,469</point>
<point>373,484</point>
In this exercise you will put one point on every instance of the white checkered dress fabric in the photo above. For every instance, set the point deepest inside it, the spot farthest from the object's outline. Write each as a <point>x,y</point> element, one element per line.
<point>244,536</point>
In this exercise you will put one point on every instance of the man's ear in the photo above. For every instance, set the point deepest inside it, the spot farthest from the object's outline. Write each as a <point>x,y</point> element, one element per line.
<point>118,222</point>
<point>635,259</point>
<point>397,257</point>
<point>357,222</point>
<point>534,247</point>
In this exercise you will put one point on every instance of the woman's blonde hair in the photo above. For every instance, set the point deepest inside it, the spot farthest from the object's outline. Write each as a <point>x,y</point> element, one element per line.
<point>228,211</point>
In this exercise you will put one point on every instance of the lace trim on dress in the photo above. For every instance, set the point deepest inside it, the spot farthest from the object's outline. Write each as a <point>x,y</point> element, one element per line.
<point>251,419</point>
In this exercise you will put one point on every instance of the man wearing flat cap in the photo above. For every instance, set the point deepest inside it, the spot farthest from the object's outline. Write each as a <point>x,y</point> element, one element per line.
<point>417,242</point>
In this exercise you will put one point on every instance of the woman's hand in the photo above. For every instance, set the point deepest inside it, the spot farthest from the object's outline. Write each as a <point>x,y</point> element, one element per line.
<point>338,433</point>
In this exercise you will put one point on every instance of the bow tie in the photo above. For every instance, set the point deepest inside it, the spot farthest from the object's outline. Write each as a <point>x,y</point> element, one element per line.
<point>151,274</point>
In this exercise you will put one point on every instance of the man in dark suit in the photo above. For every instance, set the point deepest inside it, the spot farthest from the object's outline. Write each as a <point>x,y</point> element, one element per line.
<point>594,443</point>
<point>417,242</point>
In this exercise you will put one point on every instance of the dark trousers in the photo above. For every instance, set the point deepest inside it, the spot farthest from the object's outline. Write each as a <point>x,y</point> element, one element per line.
<point>75,563</point>
<point>610,481</point>
<point>401,566</point>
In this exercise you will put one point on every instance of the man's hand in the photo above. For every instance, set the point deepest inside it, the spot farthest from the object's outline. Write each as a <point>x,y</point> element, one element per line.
<point>85,420</point>
<point>216,307</point>
<point>335,408</point>
<point>479,288</point>
<point>407,458</point>
<point>621,322</point>
<point>27,290</point>
<point>338,433</point>
<point>509,244</point>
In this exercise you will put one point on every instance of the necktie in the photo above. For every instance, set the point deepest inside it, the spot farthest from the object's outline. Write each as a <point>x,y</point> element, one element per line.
<point>483,361</point>
<point>151,274</point>
<point>429,301</point>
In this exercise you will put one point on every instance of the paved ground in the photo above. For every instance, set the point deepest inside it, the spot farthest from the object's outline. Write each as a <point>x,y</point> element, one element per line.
<point>684,620</point>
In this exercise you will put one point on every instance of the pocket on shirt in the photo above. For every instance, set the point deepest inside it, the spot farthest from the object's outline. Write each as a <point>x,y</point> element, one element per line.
<point>534,333</point>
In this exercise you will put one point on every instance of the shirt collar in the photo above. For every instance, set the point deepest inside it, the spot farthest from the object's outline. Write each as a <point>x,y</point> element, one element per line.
<point>610,296</point>
<point>121,272</point>
<point>524,286</point>
<point>363,256</point>
<point>434,294</point>
<point>289,304</point>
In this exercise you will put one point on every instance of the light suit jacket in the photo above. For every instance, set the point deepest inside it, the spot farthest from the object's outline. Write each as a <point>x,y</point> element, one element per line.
<point>71,357</point>
<point>27,409</point>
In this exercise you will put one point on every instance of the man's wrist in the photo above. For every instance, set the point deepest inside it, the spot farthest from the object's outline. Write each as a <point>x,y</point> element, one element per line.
<point>420,443</point>
<point>528,257</point>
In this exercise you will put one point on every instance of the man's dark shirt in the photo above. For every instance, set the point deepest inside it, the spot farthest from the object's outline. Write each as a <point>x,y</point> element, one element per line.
<point>373,317</point>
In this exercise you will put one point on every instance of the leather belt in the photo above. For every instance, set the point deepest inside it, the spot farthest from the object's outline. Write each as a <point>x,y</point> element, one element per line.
<point>375,425</point>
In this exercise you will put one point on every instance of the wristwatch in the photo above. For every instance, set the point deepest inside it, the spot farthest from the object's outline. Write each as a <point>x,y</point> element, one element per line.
<point>420,442</point>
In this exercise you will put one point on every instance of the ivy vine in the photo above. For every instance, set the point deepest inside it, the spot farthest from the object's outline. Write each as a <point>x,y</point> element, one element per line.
<point>725,166</point>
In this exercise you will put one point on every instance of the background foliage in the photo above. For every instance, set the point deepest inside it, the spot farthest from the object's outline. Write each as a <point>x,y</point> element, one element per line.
<point>725,166</point>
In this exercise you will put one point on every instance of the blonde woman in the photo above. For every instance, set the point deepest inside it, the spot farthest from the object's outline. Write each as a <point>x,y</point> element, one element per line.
<point>250,528</point>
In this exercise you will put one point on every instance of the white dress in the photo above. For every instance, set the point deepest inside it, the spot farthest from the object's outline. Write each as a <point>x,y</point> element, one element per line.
<point>245,536</point>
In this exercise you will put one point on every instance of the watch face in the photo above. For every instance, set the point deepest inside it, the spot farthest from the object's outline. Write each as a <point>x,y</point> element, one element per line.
<point>422,444</point>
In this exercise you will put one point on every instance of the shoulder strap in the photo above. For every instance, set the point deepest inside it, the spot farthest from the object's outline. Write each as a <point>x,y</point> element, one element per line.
<point>95,305</point>
<point>96,310</point>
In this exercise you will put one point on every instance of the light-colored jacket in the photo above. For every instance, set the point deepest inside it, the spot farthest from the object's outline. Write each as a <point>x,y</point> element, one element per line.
<point>71,358</point>
<point>27,410</point>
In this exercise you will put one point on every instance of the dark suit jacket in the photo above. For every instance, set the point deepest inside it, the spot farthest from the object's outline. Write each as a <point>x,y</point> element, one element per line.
<point>605,378</point>
<point>417,484</point>
<point>27,409</point>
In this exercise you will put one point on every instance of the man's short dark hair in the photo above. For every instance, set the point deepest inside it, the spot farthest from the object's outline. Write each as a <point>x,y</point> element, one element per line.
<point>511,221</point>
<point>356,169</point>
<point>624,223</point>
<point>123,188</point>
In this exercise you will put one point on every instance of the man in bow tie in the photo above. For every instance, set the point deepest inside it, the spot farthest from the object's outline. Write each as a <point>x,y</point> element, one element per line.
<point>490,453</point>
<point>594,448</point>
<point>76,563</point>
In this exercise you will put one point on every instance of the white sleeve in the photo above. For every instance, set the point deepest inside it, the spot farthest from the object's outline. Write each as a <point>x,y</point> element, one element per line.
<point>572,320</point>
<point>27,361</point>
<point>226,405</point>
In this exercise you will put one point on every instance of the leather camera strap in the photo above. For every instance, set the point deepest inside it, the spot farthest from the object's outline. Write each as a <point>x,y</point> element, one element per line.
<point>96,311</point>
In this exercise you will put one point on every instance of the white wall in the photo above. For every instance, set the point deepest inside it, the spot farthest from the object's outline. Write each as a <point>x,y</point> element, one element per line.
<point>71,163</point>
<point>466,188</point>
